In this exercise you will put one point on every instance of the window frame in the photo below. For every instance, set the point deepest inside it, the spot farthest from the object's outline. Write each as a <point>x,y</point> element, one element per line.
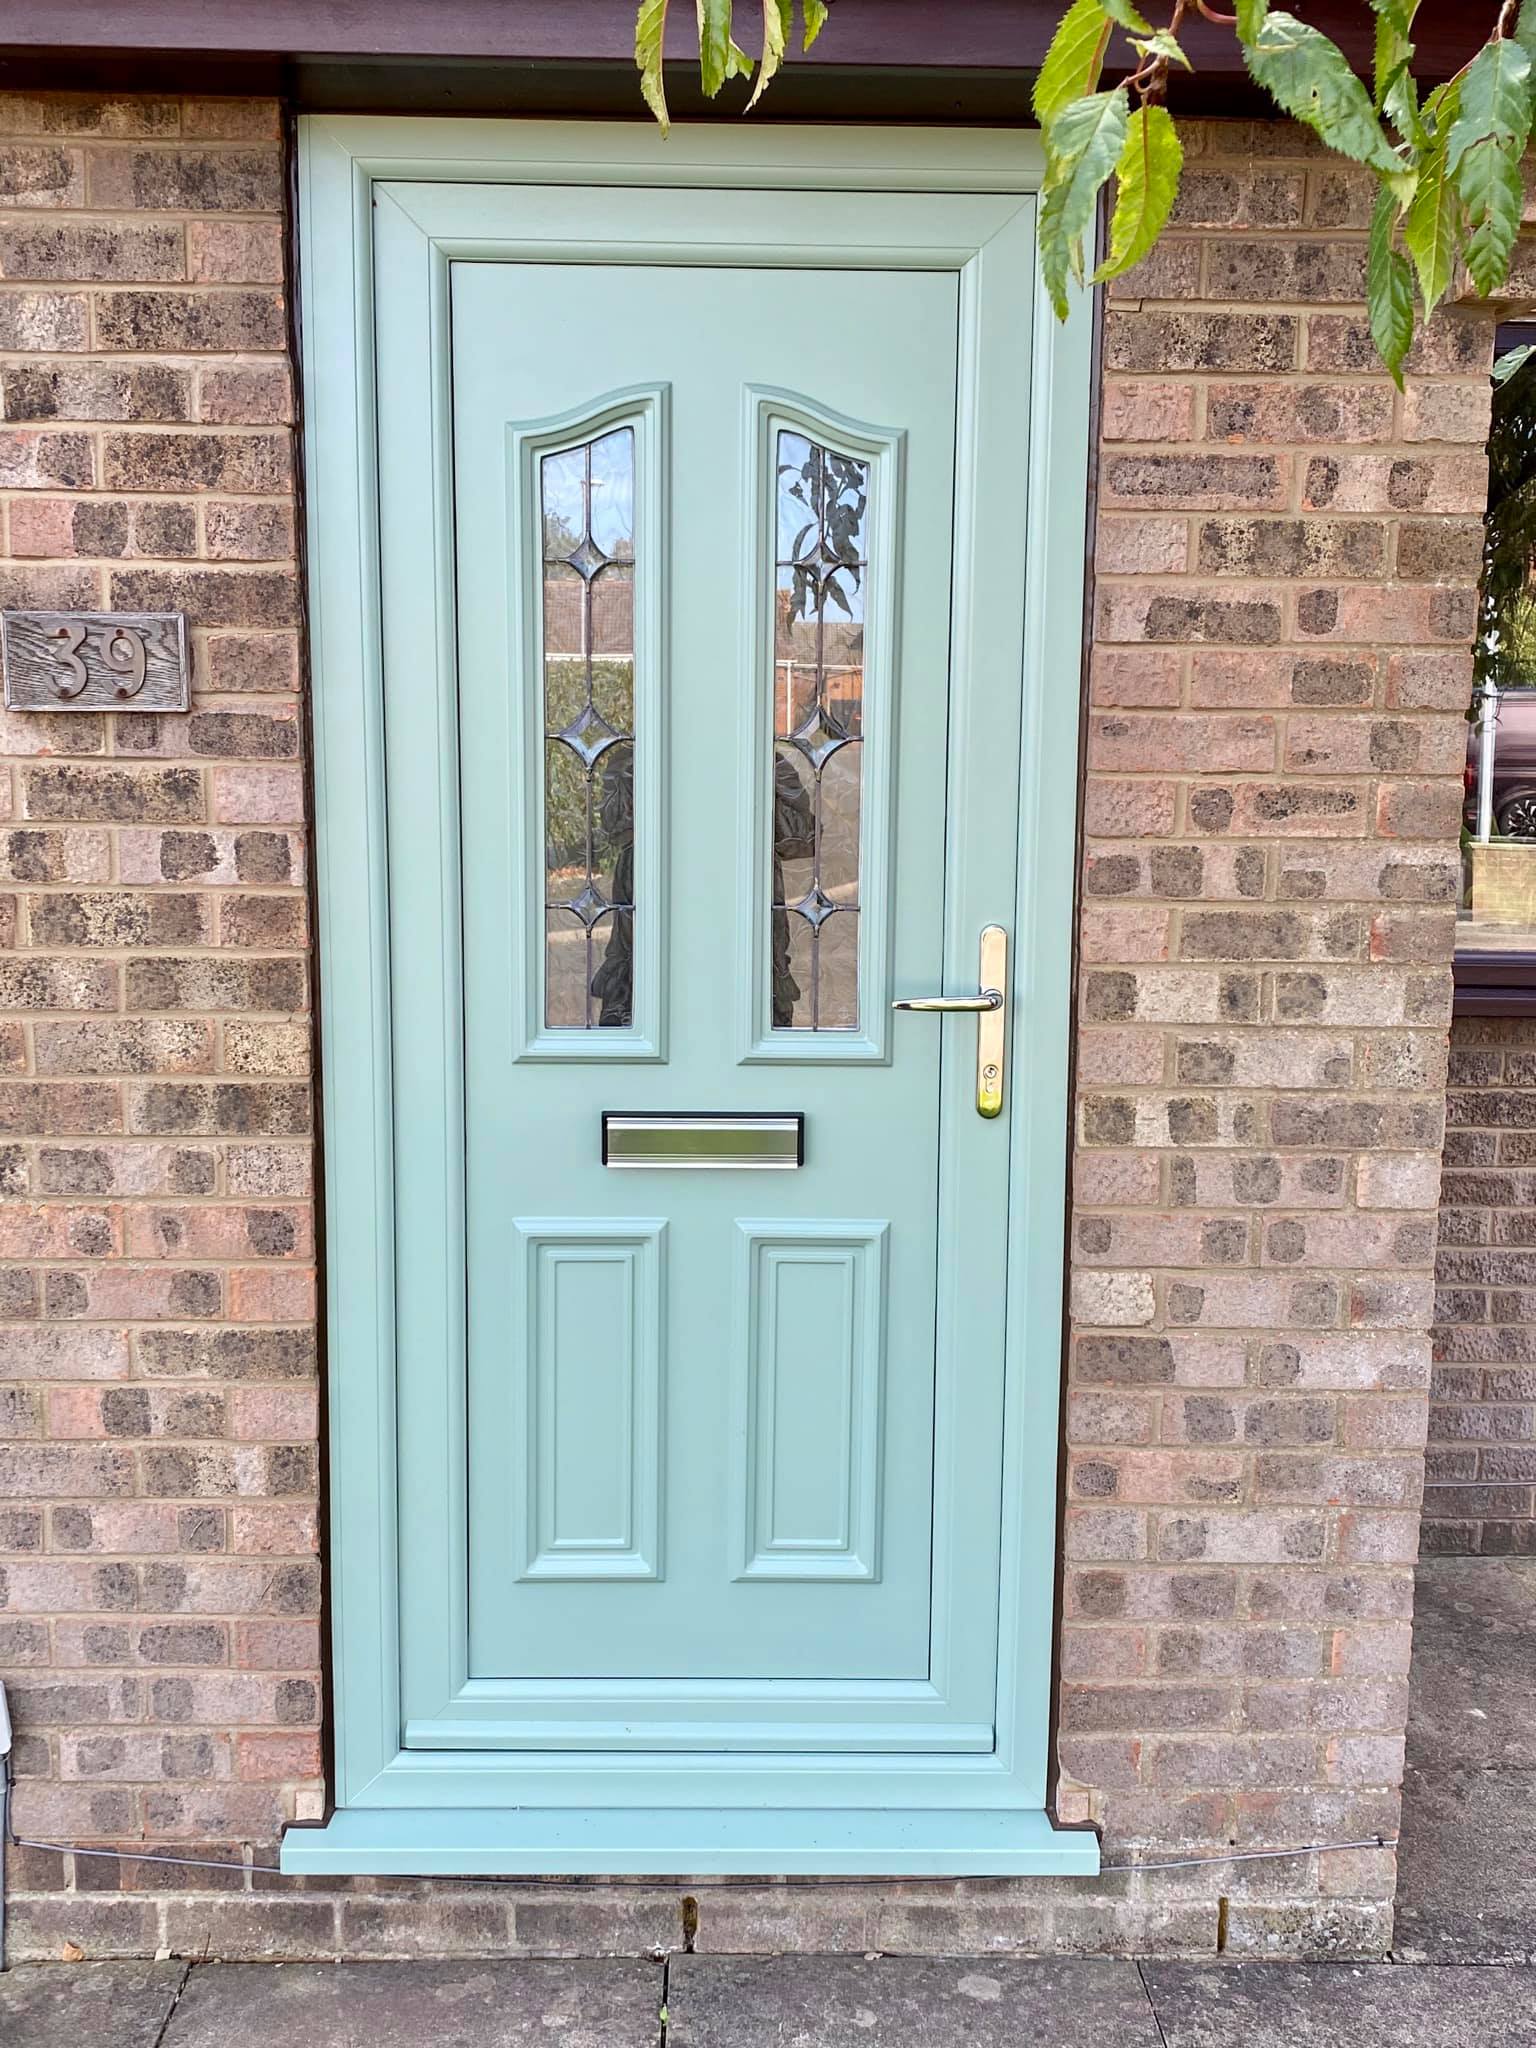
<point>1499,982</point>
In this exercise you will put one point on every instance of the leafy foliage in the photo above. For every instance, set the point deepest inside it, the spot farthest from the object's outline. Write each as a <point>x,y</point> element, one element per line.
<point>720,56</point>
<point>1448,173</point>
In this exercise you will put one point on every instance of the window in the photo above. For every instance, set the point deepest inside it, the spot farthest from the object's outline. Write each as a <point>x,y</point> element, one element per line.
<point>1496,931</point>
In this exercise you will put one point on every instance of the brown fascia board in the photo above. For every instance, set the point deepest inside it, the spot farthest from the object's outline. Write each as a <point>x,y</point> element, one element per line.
<point>976,36</point>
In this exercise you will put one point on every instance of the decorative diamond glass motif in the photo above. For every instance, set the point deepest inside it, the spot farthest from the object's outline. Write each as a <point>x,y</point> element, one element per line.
<point>587,507</point>
<point>820,574</point>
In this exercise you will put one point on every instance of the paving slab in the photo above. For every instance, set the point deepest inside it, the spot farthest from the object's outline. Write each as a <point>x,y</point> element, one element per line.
<point>59,2005</point>
<point>905,2002</point>
<point>419,2005</point>
<point>1341,2005</point>
<point>1466,1875</point>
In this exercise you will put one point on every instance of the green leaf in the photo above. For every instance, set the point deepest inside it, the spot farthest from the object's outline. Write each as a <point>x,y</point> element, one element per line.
<point>1082,147</point>
<point>1123,13</point>
<point>778,21</point>
<point>1161,44</point>
<point>1309,77</point>
<point>1495,101</point>
<point>1394,46</point>
<point>1525,27</point>
<point>1147,179</point>
<point>1491,189</point>
<point>720,57</point>
<point>650,31</point>
<point>1433,227</point>
<point>1389,289</point>
<point>714,40</point>
<point>1074,60</point>
<point>1251,15</point>
<point>1400,104</point>
<point>1055,250</point>
<point>815,12</point>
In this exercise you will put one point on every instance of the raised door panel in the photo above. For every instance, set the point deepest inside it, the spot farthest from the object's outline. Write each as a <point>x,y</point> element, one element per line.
<point>808,1360</point>
<point>584,1378</point>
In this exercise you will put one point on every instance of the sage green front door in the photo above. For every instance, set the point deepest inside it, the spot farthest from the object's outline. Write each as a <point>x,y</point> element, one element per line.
<point>705,750</point>
<point>704,659</point>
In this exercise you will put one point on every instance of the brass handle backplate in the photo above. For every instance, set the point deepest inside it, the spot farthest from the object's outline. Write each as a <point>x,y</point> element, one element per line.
<point>990,1009</point>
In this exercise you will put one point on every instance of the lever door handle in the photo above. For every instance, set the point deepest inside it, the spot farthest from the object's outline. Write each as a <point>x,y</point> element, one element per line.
<point>989,999</point>
<point>989,1006</point>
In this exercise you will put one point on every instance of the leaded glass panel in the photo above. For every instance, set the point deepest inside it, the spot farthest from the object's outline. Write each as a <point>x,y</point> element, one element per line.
<point>820,577</point>
<point>587,506</point>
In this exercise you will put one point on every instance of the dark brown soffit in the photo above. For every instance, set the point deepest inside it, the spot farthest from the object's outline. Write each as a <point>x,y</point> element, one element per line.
<point>929,57</point>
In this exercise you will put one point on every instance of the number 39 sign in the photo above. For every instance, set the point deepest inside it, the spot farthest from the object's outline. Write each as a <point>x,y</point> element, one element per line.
<point>94,661</point>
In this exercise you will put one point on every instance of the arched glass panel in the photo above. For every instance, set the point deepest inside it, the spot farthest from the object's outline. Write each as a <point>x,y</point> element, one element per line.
<point>820,589</point>
<point>587,508</point>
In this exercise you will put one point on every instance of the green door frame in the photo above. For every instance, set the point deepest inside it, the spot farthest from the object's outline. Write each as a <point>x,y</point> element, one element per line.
<point>414,1811</point>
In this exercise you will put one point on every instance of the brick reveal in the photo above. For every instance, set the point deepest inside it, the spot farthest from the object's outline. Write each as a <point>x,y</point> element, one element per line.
<point>1480,1478</point>
<point>1285,568</point>
<point>1285,562</point>
<point>159,1584</point>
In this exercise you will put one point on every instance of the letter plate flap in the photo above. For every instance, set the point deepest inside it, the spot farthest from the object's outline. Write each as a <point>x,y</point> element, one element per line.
<point>702,1139</point>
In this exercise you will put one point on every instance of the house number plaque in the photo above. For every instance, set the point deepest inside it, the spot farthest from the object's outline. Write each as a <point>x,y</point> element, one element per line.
<point>94,661</point>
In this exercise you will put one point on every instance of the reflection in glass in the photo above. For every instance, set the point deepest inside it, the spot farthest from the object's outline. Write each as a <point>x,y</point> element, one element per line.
<point>587,502</point>
<point>820,574</point>
<point>1498,896</point>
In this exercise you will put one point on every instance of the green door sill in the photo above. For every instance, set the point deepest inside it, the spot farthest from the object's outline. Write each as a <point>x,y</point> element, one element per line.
<point>666,1842</point>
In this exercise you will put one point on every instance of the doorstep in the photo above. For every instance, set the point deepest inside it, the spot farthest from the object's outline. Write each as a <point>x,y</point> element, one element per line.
<point>671,1841</point>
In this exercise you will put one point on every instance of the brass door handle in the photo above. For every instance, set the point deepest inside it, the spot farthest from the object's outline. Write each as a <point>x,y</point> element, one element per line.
<point>989,1007</point>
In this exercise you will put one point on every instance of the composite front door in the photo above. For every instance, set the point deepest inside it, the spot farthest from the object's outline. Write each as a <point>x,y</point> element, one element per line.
<point>709,989</point>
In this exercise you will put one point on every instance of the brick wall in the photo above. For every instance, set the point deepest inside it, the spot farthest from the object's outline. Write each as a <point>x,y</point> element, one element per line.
<point>1480,1492</point>
<point>1287,557</point>
<point>158,1580</point>
<point>1285,569</point>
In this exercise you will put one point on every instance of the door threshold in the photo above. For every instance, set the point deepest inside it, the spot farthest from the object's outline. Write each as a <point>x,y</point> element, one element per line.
<point>679,1842</point>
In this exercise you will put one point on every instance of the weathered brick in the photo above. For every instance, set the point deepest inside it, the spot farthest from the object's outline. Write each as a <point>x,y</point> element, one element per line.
<point>162,180</point>
<point>95,390</point>
<point>247,394</point>
<point>235,251</point>
<point>210,597</point>
<point>1298,412</point>
<point>90,251</point>
<point>196,462</point>
<point>214,984</point>
<point>1198,481</point>
<point>30,460</point>
<point>1167,342</point>
<point>1306,271</point>
<point>115,795</point>
<point>190,322</point>
<point>117,918</point>
<point>41,174</point>
<point>44,320</point>
<point>237,1108</point>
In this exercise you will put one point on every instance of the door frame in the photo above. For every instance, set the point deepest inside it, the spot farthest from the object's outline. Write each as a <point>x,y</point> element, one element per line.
<point>429,1811</point>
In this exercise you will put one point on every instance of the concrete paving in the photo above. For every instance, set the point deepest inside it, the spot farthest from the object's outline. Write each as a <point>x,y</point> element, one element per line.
<point>1340,2005</point>
<point>769,2002</point>
<point>899,2001</point>
<point>1467,1861</point>
<point>66,2005</point>
<point>420,2005</point>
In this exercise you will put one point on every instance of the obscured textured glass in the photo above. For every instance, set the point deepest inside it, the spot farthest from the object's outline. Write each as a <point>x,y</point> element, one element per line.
<point>587,503</point>
<point>820,571</point>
